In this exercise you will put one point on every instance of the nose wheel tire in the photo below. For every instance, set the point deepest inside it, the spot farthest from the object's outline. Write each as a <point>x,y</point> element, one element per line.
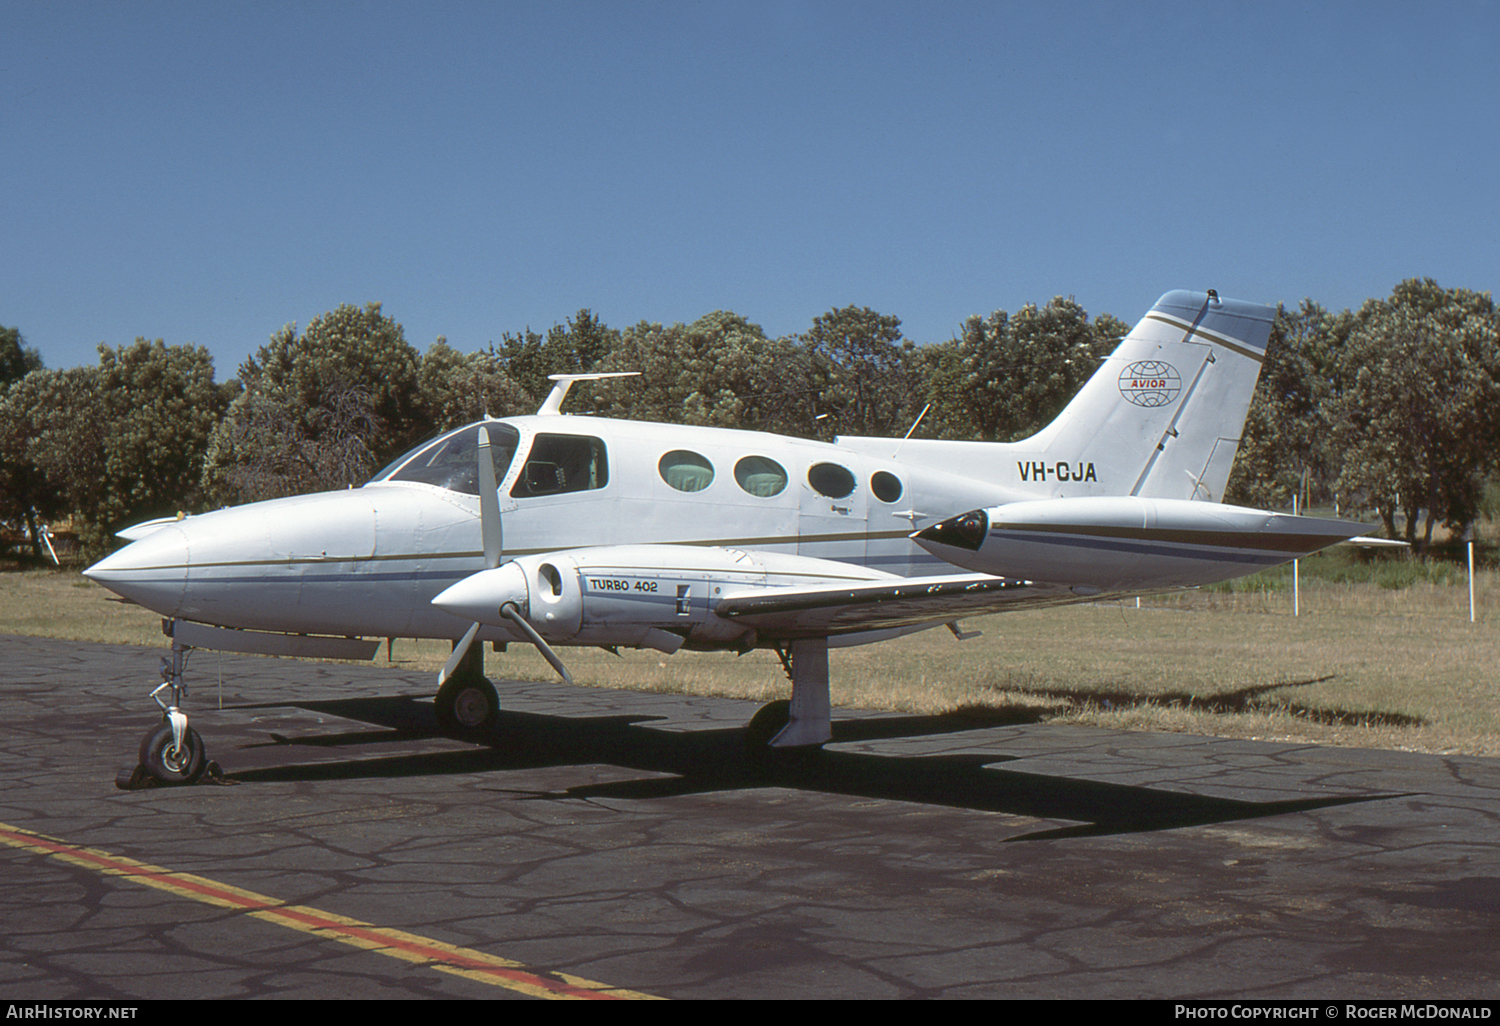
<point>466,706</point>
<point>173,763</point>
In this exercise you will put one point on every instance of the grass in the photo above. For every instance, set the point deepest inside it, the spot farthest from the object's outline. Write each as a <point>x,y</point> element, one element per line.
<point>1368,663</point>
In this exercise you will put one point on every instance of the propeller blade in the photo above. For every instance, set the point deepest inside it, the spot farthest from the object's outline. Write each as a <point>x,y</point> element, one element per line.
<point>459,651</point>
<point>494,547</point>
<point>489,505</point>
<point>511,613</point>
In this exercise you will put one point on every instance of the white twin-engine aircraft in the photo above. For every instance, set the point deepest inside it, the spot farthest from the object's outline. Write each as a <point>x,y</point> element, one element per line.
<point>564,530</point>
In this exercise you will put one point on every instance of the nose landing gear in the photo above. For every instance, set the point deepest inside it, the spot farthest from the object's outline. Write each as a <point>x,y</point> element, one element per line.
<point>171,753</point>
<point>171,756</point>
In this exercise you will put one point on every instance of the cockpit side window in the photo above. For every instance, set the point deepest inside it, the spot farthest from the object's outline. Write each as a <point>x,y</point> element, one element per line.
<point>452,461</point>
<point>562,463</point>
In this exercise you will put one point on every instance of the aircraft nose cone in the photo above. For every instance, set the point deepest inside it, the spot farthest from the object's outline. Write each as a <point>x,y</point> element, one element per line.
<point>478,597</point>
<point>151,572</point>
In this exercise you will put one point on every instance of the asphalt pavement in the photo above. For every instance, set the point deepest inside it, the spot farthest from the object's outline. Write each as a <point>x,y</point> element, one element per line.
<point>607,843</point>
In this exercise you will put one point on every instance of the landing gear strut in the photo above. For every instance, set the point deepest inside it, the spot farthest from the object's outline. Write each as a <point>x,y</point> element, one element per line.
<point>171,753</point>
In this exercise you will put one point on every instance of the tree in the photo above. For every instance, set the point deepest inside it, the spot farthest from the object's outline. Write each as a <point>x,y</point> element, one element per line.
<point>29,410</point>
<point>1008,377</point>
<point>117,443</point>
<point>319,410</point>
<point>23,488</point>
<point>528,358</point>
<point>1420,413</point>
<point>719,371</point>
<point>872,385</point>
<point>1287,445</point>
<point>456,388</point>
<point>16,359</point>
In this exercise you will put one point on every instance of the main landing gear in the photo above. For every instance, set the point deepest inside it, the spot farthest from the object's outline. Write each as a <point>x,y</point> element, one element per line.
<point>466,703</point>
<point>791,735</point>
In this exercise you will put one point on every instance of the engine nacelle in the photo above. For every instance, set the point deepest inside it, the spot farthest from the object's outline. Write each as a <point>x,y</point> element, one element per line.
<point>652,596</point>
<point>1099,544</point>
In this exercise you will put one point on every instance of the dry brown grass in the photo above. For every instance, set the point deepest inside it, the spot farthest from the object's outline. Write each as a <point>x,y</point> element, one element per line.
<point>1363,665</point>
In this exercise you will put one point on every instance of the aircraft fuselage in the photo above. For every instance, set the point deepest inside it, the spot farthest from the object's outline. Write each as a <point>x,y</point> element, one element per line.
<point>368,560</point>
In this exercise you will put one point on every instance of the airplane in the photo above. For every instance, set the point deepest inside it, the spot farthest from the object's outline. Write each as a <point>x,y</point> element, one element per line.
<point>560,530</point>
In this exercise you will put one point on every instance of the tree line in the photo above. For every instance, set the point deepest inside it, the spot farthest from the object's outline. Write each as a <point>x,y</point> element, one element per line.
<point>1392,408</point>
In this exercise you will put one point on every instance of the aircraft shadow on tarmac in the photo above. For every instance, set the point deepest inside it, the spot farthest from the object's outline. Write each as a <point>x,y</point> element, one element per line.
<point>1256,697</point>
<point>713,760</point>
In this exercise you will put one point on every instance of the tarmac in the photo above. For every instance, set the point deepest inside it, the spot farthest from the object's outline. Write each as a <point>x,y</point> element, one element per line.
<point>605,843</point>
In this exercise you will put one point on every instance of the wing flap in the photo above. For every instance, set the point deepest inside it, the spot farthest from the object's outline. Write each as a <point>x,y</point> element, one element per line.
<point>832,610</point>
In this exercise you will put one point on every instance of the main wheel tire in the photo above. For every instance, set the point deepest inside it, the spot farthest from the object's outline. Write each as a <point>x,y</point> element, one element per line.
<point>467,706</point>
<point>171,763</point>
<point>769,721</point>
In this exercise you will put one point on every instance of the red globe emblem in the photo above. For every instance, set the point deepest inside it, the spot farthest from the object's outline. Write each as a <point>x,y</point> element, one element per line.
<point>1150,383</point>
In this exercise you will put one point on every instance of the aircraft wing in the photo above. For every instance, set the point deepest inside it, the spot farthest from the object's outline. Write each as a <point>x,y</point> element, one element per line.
<point>845,608</point>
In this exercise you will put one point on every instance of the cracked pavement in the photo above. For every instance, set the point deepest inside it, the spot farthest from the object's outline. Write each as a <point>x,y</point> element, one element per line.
<point>622,838</point>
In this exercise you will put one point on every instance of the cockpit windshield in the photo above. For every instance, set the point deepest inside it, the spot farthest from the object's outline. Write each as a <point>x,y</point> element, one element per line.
<point>452,461</point>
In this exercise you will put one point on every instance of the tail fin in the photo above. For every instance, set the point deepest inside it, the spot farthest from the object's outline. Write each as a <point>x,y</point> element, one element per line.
<point>1161,418</point>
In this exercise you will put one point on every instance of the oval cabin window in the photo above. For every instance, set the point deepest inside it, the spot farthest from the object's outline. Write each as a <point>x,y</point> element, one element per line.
<point>831,480</point>
<point>887,487</point>
<point>686,471</point>
<point>760,476</point>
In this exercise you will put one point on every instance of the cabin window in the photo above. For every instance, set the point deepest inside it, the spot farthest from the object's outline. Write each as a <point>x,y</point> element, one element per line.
<point>887,487</point>
<point>452,461</point>
<point>562,463</point>
<point>830,479</point>
<point>686,471</point>
<point>760,476</point>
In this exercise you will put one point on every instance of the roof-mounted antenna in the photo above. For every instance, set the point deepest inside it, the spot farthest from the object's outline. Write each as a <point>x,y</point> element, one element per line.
<point>552,407</point>
<point>911,429</point>
<point>1213,296</point>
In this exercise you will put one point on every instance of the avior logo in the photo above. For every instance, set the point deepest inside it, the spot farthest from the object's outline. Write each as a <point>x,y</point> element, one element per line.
<point>1150,383</point>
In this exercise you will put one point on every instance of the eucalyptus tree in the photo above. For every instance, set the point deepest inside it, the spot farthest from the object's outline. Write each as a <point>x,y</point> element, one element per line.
<point>24,491</point>
<point>1419,415</point>
<point>719,371</point>
<point>455,388</point>
<point>16,358</point>
<point>1006,377</point>
<point>319,410</point>
<point>871,384</point>
<point>118,443</point>
<point>528,358</point>
<point>1288,445</point>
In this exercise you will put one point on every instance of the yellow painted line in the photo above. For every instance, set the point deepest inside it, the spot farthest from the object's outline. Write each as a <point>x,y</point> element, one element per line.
<point>409,947</point>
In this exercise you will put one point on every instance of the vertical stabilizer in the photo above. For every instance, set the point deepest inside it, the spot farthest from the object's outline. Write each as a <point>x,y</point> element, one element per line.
<point>1160,418</point>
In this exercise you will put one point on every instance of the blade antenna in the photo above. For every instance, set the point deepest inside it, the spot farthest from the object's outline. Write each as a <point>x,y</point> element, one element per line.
<point>911,429</point>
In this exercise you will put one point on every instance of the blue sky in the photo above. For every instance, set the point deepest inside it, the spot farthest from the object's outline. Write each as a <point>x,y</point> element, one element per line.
<point>208,172</point>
